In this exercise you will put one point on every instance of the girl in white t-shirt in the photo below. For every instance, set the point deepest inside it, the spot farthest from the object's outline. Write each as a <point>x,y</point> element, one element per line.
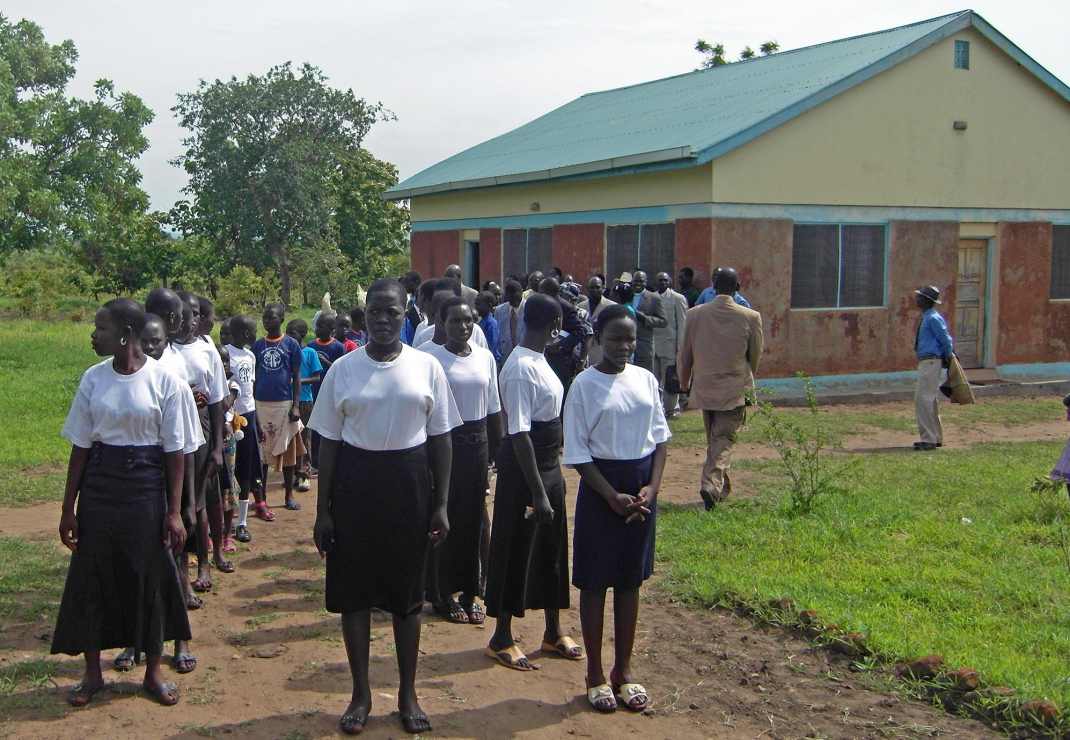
<point>615,434</point>
<point>384,413</point>
<point>130,425</point>
<point>473,376</point>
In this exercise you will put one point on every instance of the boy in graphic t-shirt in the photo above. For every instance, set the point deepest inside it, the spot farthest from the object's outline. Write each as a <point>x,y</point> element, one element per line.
<point>277,391</point>
<point>248,469</point>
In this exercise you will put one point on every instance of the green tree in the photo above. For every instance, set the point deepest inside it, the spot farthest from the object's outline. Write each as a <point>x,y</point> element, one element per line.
<point>715,54</point>
<point>265,158</point>
<point>67,166</point>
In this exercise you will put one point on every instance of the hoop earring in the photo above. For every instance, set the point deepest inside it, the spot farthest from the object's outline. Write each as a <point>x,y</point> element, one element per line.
<point>122,341</point>
<point>555,333</point>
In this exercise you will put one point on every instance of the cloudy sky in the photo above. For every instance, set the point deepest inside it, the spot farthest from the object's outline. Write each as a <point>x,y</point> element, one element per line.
<point>461,71</point>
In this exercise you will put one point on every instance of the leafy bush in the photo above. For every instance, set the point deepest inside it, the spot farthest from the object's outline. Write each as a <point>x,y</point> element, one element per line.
<point>45,283</point>
<point>243,291</point>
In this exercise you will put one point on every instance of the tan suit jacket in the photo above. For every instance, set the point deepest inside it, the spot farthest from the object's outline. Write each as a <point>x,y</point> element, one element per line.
<point>720,353</point>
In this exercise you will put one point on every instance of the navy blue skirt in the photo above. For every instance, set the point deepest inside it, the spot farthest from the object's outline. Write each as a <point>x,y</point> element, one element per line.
<point>122,586</point>
<point>607,552</point>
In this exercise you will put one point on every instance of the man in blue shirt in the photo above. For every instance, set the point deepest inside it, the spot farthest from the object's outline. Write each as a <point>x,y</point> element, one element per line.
<point>708,295</point>
<point>489,324</point>
<point>933,346</point>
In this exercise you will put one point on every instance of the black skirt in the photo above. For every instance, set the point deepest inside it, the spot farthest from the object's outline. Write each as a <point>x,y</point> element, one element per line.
<point>607,552</point>
<point>381,505</point>
<point>122,586</point>
<point>247,466</point>
<point>528,562</point>
<point>454,565</point>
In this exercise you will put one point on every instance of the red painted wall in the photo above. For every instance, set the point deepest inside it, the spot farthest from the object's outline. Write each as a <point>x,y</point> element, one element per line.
<point>433,251</point>
<point>578,250</point>
<point>694,243</point>
<point>829,342</point>
<point>490,255</point>
<point>1031,328</point>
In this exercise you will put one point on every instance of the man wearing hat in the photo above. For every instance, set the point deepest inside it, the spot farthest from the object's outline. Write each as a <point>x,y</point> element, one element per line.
<point>933,346</point>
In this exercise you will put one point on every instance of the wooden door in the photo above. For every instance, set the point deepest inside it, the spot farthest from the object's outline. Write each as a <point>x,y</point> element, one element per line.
<point>969,331</point>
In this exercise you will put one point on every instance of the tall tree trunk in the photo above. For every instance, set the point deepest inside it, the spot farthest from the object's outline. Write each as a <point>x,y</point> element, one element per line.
<point>284,275</point>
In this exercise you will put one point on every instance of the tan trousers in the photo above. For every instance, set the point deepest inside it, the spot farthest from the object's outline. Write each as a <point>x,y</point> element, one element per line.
<point>927,401</point>
<point>721,429</point>
<point>670,400</point>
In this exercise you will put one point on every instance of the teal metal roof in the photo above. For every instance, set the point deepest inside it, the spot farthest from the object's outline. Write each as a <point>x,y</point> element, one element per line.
<point>692,118</point>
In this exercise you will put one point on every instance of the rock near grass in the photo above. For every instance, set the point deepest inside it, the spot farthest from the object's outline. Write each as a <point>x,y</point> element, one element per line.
<point>922,668</point>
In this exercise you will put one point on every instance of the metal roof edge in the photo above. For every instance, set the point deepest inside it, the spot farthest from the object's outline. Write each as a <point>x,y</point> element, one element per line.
<point>954,25</point>
<point>1015,52</point>
<point>604,167</point>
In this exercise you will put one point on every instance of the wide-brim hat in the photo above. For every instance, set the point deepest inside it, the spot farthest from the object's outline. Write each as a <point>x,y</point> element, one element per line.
<point>625,277</point>
<point>931,292</point>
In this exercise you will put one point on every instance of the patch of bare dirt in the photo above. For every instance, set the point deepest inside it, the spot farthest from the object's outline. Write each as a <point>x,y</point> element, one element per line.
<point>271,663</point>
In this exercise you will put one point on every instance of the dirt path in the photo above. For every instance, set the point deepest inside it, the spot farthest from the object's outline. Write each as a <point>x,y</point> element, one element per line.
<point>272,664</point>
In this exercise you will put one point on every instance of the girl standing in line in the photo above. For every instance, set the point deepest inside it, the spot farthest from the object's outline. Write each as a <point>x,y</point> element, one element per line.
<point>130,424</point>
<point>529,537</point>
<point>615,434</point>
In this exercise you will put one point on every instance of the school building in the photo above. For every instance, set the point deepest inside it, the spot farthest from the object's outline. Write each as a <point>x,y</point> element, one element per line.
<point>836,179</point>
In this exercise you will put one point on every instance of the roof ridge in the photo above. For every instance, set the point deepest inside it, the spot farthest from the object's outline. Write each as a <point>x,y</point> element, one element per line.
<point>947,17</point>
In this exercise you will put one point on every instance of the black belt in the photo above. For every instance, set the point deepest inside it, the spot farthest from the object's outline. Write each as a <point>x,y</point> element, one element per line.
<point>930,357</point>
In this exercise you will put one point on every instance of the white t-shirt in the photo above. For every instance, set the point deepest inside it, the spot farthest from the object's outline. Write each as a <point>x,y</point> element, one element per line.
<point>204,369</point>
<point>175,362</point>
<point>613,417</point>
<point>385,405</point>
<point>243,366</point>
<point>529,389</point>
<point>150,407</point>
<point>473,380</point>
<point>424,332</point>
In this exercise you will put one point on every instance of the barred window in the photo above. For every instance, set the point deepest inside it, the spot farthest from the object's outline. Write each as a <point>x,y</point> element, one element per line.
<point>837,266</point>
<point>647,247</point>
<point>527,250</point>
<point>1060,262</point>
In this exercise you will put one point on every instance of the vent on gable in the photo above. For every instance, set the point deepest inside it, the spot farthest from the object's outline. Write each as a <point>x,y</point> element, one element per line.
<point>962,55</point>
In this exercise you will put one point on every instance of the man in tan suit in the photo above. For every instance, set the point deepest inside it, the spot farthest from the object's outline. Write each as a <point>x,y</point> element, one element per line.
<point>720,353</point>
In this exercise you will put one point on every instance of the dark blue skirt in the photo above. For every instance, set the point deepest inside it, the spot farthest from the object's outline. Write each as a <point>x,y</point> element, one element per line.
<point>607,552</point>
<point>122,586</point>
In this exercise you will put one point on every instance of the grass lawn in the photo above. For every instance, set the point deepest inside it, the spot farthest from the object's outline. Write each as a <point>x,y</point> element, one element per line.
<point>944,552</point>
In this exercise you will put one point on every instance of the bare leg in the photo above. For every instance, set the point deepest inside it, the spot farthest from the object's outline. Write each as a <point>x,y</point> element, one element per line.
<point>553,631</point>
<point>503,638</point>
<point>407,640</point>
<point>93,676</point>
<point>154,676</point>
<point>228,521</point>
<point>484,551</point>
<point>214,515</point>
<point>625,616</point>
<point>356,629</point>
<point>183,575</point>
<point>288,482</point>
<point>204,573</point>
<point>592,622</point>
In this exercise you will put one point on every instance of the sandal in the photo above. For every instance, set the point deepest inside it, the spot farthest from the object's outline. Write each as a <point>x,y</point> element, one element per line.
<point>201,586</point>
<point>261,511</point>
<point>166,693</point>
<point>565,646</point>
<point>414,724</point>
<point>229,545</point>
<point>451,611</point>
<point>509,657</point>
<point>126,660</point>
<point>630,693</point>
<point>292,506</point>
<point>601,699</point>
<point>194,602</point>
<point>82,693</point>
<point>476,615</point>
<point>225,567</point>
<point>184,663</point>
<point>352,724</point>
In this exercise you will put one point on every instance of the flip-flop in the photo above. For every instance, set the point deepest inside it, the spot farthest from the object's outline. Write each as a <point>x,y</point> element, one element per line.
<point>225,567</point>
<point>125,660</point>
<point>293,505</point>
<point>82,693</point>
<point>414,724</point>
<point>352,724</point>
<point>508,657</point>
<point>602,693</point>
<point>566,647</point>
<point>166,693</point>
<point>629,692</point>
<point>452,612</point>
<point>194,602</point>
<point>187,658</point>
<point>229,546</point>
<point>201,586</point>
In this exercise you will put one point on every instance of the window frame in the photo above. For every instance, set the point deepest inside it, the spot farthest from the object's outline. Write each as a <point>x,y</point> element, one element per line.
<point>839,266</point>
<point>638,247</point>
<point>1051,264</point>
<point>527,247</point>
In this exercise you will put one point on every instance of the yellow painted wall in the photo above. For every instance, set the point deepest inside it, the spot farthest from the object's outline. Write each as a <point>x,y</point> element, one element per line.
<point>671,187</point>
<point>889,141</point>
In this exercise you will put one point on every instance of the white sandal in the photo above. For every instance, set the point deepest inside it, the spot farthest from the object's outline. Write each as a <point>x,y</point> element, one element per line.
<point>596,694</point>
<point>629,692</point>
